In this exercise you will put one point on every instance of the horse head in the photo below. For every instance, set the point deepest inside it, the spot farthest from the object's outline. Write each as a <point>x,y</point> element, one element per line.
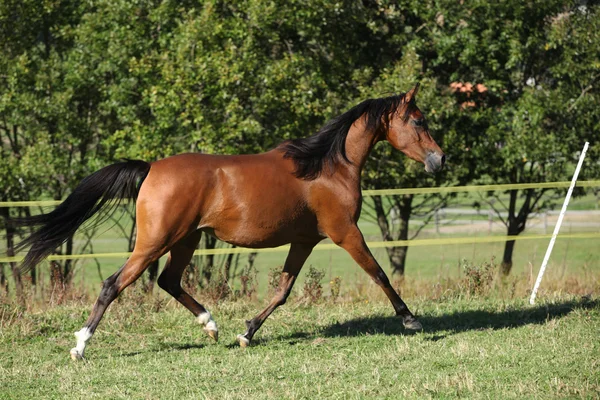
<point>408,132</point>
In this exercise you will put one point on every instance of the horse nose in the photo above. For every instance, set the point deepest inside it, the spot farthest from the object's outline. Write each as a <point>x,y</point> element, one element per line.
<point>434,162</point>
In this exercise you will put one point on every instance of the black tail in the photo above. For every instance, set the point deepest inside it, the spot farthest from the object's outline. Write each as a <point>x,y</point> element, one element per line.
<point>118,181</point>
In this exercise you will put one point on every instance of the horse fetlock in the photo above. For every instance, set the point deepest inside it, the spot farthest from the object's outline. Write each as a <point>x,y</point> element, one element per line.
<point>76,355</point>
<point>243,341</point>
<point>210,326</point>
<point>83,336</point>
<point>410,322</point>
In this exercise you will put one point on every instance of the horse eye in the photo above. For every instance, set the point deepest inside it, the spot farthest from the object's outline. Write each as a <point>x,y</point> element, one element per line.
<point>418,122</point>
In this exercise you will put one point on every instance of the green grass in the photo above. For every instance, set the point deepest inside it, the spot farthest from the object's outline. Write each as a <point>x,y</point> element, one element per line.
<point>470,348</point>
<point>495,346</point>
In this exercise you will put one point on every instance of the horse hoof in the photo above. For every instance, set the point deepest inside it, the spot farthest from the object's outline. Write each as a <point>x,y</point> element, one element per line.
<point>243,341</point>
<point>76,355</point>
<point>212,333</point>
<point>413,324</point>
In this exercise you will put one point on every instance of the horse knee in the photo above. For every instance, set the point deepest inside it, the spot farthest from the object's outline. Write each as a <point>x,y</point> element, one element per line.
<point>162,281</point>
<point>168,284</point>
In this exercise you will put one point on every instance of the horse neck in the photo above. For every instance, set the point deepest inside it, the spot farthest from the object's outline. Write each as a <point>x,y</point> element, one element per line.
<point>359,143</point>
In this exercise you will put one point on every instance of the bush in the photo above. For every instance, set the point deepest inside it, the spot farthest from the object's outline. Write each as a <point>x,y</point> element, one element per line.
<point>334,287</point>
<point>249,282</point>
<point>478,280</point>
<point>274,277</point>
<point>313,290</point>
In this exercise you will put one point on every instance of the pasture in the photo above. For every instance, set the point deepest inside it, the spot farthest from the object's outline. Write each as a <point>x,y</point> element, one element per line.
<point>481,343</point>
<point>473,347</point>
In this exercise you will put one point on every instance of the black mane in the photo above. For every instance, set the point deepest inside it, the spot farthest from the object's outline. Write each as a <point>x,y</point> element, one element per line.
<point>325,147</point>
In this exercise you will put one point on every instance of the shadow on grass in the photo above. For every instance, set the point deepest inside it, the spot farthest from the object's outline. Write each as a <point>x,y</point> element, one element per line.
<point>165,347</point>
<point>439,327</point>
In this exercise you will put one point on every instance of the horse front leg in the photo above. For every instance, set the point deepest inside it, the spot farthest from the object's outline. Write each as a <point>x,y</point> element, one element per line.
<point>293,264</point>
<point>354,243</point>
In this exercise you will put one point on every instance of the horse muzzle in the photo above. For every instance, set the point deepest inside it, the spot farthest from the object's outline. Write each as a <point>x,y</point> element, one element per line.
<point>434,162</point>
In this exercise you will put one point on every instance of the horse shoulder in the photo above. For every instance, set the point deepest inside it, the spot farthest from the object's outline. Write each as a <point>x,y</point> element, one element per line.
<point>337,207</point>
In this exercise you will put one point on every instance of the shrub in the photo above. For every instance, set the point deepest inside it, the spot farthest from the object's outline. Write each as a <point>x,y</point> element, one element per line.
<point>335,287</point>
<point>478,279</point>
<point>313,290</point>
<point>274,276</point>
<point>248,281</point>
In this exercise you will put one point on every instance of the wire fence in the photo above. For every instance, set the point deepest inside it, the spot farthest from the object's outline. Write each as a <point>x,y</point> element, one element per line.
<point>474,239</point>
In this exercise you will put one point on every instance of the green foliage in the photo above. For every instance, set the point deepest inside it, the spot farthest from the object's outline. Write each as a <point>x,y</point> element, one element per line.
<point>85,83</point>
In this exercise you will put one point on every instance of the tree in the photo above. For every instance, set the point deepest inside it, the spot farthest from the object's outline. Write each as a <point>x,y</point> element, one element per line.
<point>520,52</point>
<point>35,108</point>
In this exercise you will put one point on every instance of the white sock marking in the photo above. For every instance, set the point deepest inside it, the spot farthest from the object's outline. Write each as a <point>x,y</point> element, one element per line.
<point>206,320</point>
<point>83,336</point>
<point>211,325</point>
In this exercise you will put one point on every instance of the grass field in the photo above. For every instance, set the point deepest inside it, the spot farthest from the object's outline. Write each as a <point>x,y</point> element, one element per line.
<point>471,347</point>
<point>485,342</point>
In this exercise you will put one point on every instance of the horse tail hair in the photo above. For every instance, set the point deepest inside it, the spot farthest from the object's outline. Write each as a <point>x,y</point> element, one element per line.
<point>118,182</point>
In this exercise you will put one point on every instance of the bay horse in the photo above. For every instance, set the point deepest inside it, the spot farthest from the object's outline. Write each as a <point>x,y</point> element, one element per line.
<point>301,192</point>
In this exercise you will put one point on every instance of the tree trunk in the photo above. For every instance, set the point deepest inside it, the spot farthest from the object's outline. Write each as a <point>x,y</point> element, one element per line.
<point>33,275</point>
<point>251,259</point>
<point>10,252</point>
<point>3,281</point>
<point>516,225</point>
<point>396,254</point>
<point>507,263</point>
<point>227,266</point>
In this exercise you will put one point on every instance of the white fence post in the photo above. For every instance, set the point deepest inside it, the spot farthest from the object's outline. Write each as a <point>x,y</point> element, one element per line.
<point>557,227</point>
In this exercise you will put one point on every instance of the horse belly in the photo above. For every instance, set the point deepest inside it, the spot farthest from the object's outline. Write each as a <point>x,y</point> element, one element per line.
<point>263,225</point>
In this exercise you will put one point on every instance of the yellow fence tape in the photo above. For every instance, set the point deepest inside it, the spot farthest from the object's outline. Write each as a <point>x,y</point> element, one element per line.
<point>331,246</point>
<point>387,192</point>
<point>478,188</point>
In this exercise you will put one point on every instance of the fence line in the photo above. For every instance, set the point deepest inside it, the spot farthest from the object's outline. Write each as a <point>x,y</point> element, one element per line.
<point>478,188</point>
<point>374,244</point>
<point>388,192</point>
<point>331,246</point>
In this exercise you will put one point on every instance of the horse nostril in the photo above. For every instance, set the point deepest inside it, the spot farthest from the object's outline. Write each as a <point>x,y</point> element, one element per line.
<point>443,160</point>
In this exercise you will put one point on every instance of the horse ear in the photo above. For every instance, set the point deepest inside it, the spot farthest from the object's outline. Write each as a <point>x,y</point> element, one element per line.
<point>412,93</point>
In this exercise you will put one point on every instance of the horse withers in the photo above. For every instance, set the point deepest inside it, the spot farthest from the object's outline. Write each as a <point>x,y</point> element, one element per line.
<point>301,192</point>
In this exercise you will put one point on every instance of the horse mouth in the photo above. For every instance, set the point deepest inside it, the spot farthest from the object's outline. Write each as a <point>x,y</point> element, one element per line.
<point>434,162</point>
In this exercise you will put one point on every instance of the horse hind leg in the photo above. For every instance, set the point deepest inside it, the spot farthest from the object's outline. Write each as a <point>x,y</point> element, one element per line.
<point>112,286</point>
<point>170,280</point>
